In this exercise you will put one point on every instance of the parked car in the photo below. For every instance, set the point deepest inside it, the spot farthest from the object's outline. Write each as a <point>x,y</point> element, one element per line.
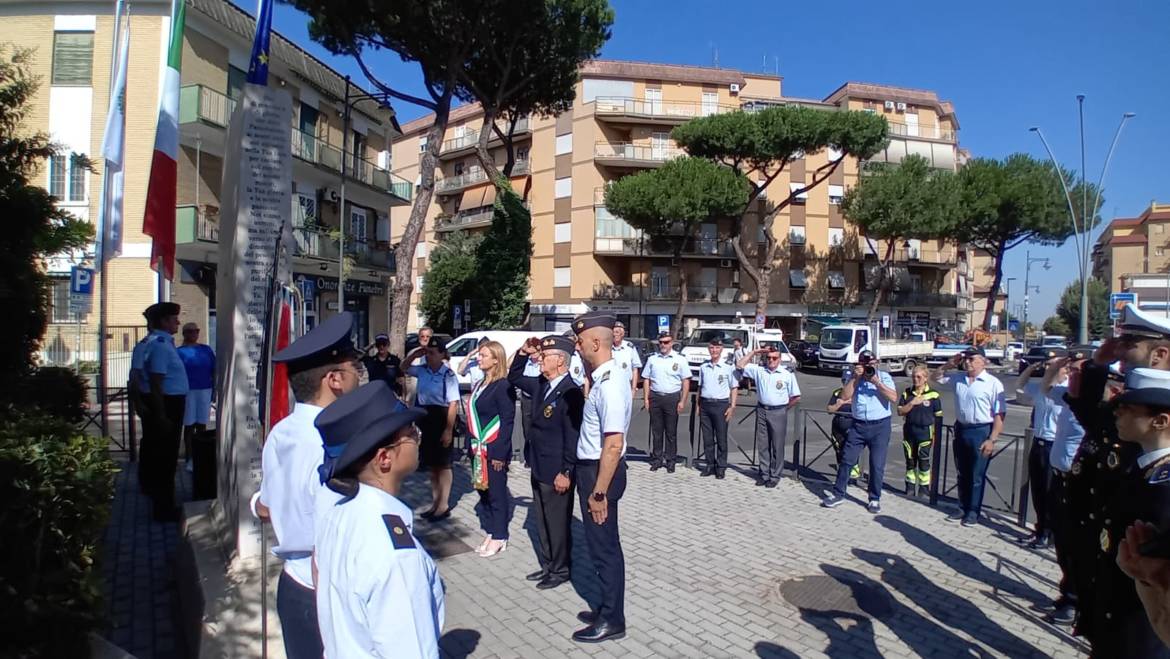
<point>465,344</point>
<point>807,353</point>
<point>1039,354</point>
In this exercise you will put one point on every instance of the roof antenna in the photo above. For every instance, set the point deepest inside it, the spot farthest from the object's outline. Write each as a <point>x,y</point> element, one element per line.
<point>715,57</point>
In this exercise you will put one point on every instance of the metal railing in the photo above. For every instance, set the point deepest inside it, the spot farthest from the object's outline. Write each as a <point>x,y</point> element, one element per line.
<point>465,219</point>
<point>655,109</point>
<point>319,243</point>
<point>635,152</point>
<point>320,152</point>
<point>469,138</point>
<point>195,224</point>
<point>475,176</point>
<point>915,130</point>
<point>199,103</point>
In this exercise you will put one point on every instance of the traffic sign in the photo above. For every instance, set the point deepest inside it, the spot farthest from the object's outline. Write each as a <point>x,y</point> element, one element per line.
<point>1117,302</point>
<point>80,290</point>
<point>457,316</point>
<point>885,322</point>
<point>760,320</point>
<point>1013,325</point>
<point>663,323</point>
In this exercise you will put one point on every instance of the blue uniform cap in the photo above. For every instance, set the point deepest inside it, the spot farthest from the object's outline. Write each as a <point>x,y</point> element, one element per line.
<point>558,342</point>
<point>326,343</point>
<point>359,422</point>
<point>161,310</point>
<point>594,319</point>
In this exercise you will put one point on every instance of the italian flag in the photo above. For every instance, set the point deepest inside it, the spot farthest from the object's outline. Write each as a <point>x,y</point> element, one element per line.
<point>159,221</point>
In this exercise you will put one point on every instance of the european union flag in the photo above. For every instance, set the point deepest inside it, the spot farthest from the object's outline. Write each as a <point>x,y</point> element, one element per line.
<point>258,66</point>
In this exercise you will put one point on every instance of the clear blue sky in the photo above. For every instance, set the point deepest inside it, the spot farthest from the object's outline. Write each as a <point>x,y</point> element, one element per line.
<point>1006,65</point>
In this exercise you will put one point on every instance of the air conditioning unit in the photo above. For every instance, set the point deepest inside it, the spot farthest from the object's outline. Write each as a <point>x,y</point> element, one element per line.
<point>735,278</point>
<point>889,105</point>
<point>901,107</point>
<point>725,263</point>
<point>733,87</point>
<point>331,195</point>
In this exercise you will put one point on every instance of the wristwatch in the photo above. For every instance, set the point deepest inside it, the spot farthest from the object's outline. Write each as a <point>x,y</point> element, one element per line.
<point>599,497</point>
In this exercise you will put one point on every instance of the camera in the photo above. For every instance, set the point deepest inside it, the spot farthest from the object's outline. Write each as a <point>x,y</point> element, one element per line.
<point>870,371</point>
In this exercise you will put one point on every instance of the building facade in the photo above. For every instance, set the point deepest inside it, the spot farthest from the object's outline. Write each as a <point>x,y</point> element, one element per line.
<point>72,53</point>
<point>587,258</point>
<point>1132,255</point>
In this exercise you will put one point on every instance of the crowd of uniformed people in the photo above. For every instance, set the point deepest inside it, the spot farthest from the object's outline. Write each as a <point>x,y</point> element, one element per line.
<point>356,581</point>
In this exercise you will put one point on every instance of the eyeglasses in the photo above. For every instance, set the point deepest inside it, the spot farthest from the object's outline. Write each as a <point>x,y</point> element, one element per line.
<point>773,358</point>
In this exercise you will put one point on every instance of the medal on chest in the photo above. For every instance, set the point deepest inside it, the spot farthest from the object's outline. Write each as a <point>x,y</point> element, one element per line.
<point>1105,544</point>
<point>548,411</point>
<point>1113,460</point>
<point>674,366</point>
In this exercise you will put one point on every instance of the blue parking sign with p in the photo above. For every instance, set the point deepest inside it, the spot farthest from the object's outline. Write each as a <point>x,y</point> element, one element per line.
<point>81,281</point>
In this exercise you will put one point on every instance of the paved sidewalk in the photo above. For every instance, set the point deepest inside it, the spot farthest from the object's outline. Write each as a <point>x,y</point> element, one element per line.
<point>713,568</point>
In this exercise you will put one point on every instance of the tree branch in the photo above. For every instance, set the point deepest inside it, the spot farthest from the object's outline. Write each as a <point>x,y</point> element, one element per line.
<point>744,262</point>
<point>387,89</point>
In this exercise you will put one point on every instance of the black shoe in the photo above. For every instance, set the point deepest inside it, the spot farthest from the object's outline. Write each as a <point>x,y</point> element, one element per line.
<point>970,520</point>
<point>956,516</point>
<point>670,468</point>
<point>720,475</point>
<point>655,466</point>
<point>551,582</point>
<point>587,617</point>
<point>440,517</point>
<point>706,472</point>
<point>1042,542</point>
<point>599,632</point>
<point>761,482</point>
<point>1064,615</point>
<point>771,485</point>
<point>539,575</point>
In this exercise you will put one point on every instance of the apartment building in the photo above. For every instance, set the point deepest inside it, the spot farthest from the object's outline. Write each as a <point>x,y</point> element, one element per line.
<point>1132,255</point>
<point>73,44</point>
<point>588,258</point>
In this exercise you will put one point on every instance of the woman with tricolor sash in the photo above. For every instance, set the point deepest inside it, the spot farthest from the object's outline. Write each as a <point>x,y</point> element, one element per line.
<point>491,410</point>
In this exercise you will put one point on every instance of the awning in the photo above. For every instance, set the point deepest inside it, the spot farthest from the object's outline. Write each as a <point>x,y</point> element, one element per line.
<point>473,198</point>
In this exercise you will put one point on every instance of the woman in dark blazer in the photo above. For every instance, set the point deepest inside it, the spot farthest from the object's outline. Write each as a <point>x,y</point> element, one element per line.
<point>491,411</point>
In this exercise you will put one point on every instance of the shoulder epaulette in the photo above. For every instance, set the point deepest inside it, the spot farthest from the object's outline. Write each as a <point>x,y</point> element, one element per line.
<point>604,377</point>
<point>399,535</point>
<point>1161,474</point>
<point>161,339</point>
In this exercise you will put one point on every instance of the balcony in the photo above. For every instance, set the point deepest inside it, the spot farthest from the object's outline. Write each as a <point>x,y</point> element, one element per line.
<point>614,237</point>
<point>627,154</point>
<point>196,225</point>
<point>319,152</point>
<point>913,299</point>
<point>319,243</point>
<point>201,104</point>
<point>947,257</point>
<point>466,219</point>
<point>464,144</point>
<point>615,292</point>
<point>619,109</point>
<point>475,176</point>
<point>655,291</point>
<point>900,129</point>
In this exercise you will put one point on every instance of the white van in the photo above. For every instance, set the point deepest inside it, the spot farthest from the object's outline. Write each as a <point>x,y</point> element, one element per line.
<point>465,344</point>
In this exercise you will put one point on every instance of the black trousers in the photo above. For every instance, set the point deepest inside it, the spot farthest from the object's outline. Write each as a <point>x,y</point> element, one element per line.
<point>495,503</point>
<point>1060,525</point>
<point>161,437</point>
<point>525,420</point>
<point>296,606</point>
<point>604,541</point>
<point>1039,471</point>
<point>664,427</point>
<point>554,514</point>
<point>713,425</point>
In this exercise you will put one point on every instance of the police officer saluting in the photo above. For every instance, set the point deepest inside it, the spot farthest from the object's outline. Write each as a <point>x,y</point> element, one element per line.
<point>668,384</point>
<point>323,365</point>
<point>777,390</point>
<point>718,391</point>
<point>557,407</point>
<point>873,394</point>
<point>378,591</point>
<point>601,474</point>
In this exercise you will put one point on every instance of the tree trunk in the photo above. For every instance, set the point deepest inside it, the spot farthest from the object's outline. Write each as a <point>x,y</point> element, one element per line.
<point>993,294</point>
<point>683,282</point>
<point>404,253</point>
<point>882,283</point>
<point>481,147</point>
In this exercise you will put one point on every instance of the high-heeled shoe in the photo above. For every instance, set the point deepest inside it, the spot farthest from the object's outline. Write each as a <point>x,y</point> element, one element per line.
<point>483,545</point>
<point>490,551</point>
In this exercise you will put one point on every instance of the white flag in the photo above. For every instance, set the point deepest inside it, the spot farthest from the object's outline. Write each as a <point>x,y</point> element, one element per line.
<point>114,151</point>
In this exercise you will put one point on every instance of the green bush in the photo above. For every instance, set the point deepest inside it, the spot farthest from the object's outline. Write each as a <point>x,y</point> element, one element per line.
<point>56,485</point>
<point>54,391</point>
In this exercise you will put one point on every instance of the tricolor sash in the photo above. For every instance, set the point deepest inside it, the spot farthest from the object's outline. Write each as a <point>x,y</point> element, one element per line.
<point>482,434</point>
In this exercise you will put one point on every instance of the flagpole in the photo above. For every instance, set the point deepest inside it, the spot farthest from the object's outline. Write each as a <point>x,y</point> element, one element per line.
<point>103,240</point>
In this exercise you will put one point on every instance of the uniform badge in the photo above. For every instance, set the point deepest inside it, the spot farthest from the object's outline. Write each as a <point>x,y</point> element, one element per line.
<point>548,411</point>
<point>625,365</point>
<point>580,324</point>
<point>1113,460</point>
<point>722,378</point>
<point>1105,540</point>
<point>576,370</point>
<point>674,366</point>
<point>1161,475</point>
<point>399,535</point>
<point>779,385</point>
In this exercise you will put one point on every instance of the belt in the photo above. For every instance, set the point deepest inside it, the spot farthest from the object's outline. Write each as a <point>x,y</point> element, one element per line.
<point>884,418</point>
<point>1043,440</point>
<point>664,393</point>
<point>593,463</point>
<point>772,407</point>
<point>715,400</point>
<point>970,425</point>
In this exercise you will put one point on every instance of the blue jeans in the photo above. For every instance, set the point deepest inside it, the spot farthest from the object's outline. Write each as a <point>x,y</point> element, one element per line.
<point>875,435</point>
<point>971,464</point>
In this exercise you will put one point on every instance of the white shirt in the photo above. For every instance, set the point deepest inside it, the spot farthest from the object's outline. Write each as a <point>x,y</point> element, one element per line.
<point>666,372</point>
<point>474,372</point>
<point>531,370</point>
<point>773,388</point>
<point>554,383</point>
<point>626,355</point>
<point>1069,432</point>
<point>716,380</point>
<point>977,401</point>
<point>1147,459</point>
<point>289,486</point>
<point>607,411</point>
<point>379,593</point>
<point>577,369</point>
<point>160,357</point>
<point>1045,412</point>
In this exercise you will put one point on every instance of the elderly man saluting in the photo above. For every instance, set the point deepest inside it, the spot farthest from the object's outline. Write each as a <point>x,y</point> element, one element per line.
<point>979,411</point>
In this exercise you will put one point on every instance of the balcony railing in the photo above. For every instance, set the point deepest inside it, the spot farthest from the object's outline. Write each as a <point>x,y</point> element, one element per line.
<point>673,111</point>
<point>199,103</point>
<point>470,138</point>
<point>475,176</point>
<point>193,224</point>
<point>313,149</point>
<point>647,153</point>
<point>319,243</point>
<point>656,290</point>
<point>914,299</point>
<point>927,132</point>
<point>467,219</point>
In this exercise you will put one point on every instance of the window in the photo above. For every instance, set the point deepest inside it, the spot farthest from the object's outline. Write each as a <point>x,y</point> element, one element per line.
<point>235,86</point>
<point>800,198</point>
<point>659,146</point>
<point>836,237</point>
<point>420,250</point>
<point>710,103</point>
<point>57,179</point>
<point>564,144</point>
<point>653,101</point>
<point>836,194</point>
<point>563,232</point>
<point>836,279</point>
<point>797,279</point>
<point>1159,251</point>
<point>60,301</point>
<point>73,59</point>
<point>561,277</point>
<point>1159,227</point>
<point>458,169</point>
<point>422,144</point>
<point>418,283</point>
<point>522,154</point>
<point>911,124</point>
<point>76,178</point>
<point>563,188</point>
<point>796,235</point>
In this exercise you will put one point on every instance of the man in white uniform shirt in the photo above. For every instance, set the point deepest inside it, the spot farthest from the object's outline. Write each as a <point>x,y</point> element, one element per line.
<point>626,355</point>
<point>601,474</point>
<point>668,384</point>
<point>322,366</point>
<point>777,391</point>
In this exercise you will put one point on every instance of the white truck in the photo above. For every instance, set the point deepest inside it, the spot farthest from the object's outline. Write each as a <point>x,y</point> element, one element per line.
<point>695,346</point>
<point>841,344</point>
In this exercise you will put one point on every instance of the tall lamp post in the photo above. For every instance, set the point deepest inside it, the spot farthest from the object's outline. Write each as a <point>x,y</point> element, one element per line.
<point>1028,288</point>
<point>1007,307</point>
<point>1084,226</point>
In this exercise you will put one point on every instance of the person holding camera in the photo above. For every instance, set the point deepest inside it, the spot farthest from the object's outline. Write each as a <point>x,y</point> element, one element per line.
<point>873,394</point>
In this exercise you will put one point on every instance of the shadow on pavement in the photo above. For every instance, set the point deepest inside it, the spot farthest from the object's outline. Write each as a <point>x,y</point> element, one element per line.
<point>459,643</point>
<point>769,650</point>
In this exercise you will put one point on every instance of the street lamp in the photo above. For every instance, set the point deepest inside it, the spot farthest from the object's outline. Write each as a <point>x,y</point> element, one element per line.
<point>1082,242</point>
<point>1028,288</point>
<point>1007,307</point>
